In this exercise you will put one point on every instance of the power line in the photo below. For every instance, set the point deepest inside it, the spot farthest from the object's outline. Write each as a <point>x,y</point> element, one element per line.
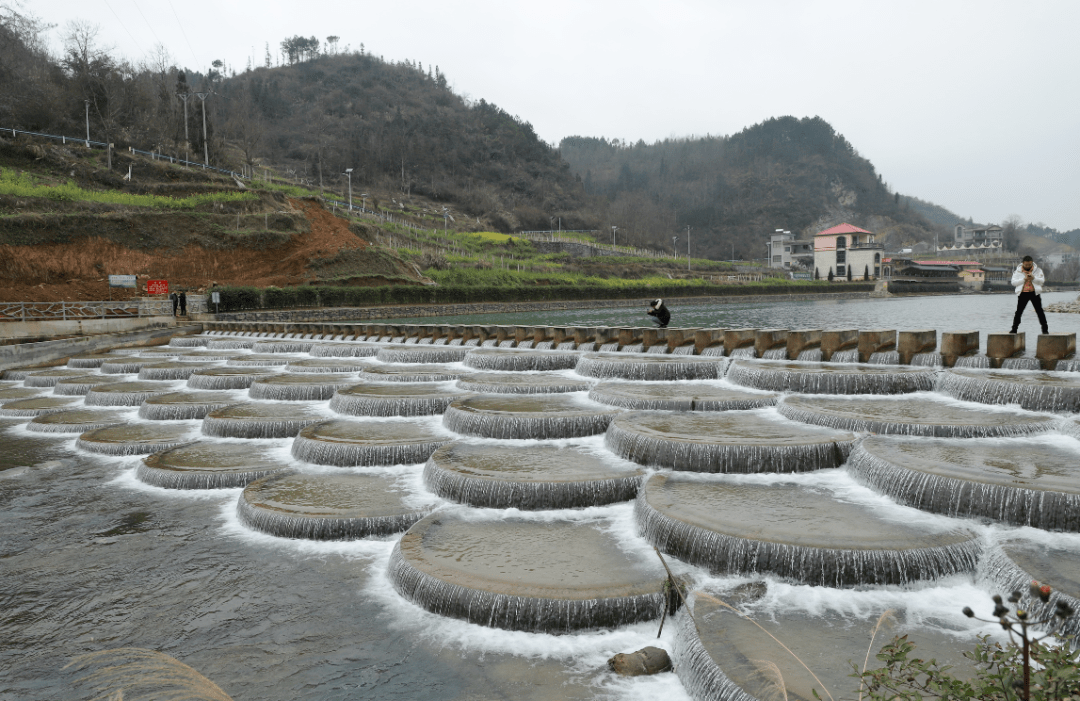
<point>149,26</point>
<point>133,41</point>
<point>186,40</point>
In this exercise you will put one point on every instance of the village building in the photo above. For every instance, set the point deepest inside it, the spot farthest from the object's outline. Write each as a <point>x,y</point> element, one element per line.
<point>788,253</point>
<point>845,247</point>
<point>987,237</point>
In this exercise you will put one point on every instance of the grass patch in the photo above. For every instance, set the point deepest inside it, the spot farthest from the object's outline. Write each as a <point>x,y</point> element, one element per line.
<point>23,185</point>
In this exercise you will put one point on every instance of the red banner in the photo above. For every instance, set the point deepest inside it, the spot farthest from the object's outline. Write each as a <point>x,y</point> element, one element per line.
<point>157,287</point>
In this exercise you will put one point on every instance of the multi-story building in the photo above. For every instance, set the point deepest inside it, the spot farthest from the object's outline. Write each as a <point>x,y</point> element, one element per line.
<point>846,247</point>
<point>988,237</point>
<point>788,253</point>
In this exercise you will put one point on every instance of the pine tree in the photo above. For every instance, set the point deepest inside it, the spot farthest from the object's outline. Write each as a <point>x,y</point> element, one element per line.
<point>849,273</point>
<point>817,274</point>
<point>866,272</point>
<point>830,274</point>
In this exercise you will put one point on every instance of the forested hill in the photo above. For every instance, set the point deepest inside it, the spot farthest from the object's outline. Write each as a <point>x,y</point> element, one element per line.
<point>785,173</point>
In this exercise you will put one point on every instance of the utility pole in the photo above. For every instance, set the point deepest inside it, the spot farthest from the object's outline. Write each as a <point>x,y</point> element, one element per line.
<point>674,251</point>
<point>87,123</point>
<point>206,148</point>
<point>187,142</point>
<point>687,248</point>
<point>613,230</point>
<point>363,207</point>
<point>348,172</point>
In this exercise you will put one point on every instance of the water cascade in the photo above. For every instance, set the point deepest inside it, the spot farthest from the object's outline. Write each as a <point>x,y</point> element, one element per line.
<point>845,356</point>
<point>1024,482</point>
<point>810,355</point>
<point>1036,391</point>
<point>12,393</point>
<point>78,386</point>
<point>444,354</point>
<point>344,443</point>
<point>282,346</point>
<point>775,354</point>
<point>679,397</point>
<point>913,415</point>
<point>528,478</point>
<point>733,659</point>
<point>648,368</point>
<point>298,387</point>
<point>884,358</point>
<point>634,348</point>
<point>394,399</point>
<point>826,378</point>
<point>344,350</point>
<point>36,406</point>
<point>1068,365</point>
<point>514,573</point>
<point>49,378</point>
<point>17,373</point>
<point>521,383</point>
<point>134,439</point>
<point>189,341</point>
<point>737,441</point>
<point>744,352</point>
<point>260,360</point>
<point>520,361</point>
<point>973,361</point>
<point>566,345</point>
<point>1013,564</point>
<point>210,355</point>
<point>534,416</point>
<point>328,365</point>
<point>325,506</point>
<point>612,347</point>
<point>411,373</point>
<point>209,465</point>
<point>86,361</point>
<point>731,527</point>
<point>928,360</point>
<point>682,350</point>
<point>169,370</point>
<point>75,421</point>
<point>125,393</point>
<point>227,377</point>
<point>489,343</point>
<point>1020,364</point>
<point>710,352</point>
<point>177,406</point>
<point>230,343</point>
<point>260,420</point>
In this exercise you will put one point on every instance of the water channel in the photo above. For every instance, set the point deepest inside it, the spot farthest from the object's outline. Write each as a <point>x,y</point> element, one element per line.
<point>95,558</point>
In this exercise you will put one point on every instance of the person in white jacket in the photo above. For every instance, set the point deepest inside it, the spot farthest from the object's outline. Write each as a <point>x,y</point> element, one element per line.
<point>1028,279</point>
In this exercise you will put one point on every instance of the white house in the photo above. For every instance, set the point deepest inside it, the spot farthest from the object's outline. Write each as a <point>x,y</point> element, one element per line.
<point>845,247</point>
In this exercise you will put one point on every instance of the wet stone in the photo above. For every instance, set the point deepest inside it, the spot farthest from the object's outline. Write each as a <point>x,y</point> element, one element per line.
<point>1013,564</point>
<point>681,396</point>
<point>725,442</point>
<point>262,360</point>
<point>175,406</point>
<point>324,365</point>
<point>830,378</point>
<point>209,465</point>
<point>326,506</point>
<point>538,417</point>
<point>344,443</point>
<point>527,478</point>
<point>520,361</point>
<point>79,386</point>
<point>411,373</point>
<point>794,531</point>
<point>298,386</point>
<point>517,574</point>
<point>163,353</point>
<point>227,377</point>
<point>732,658</point>
<point>209,355</point>
<point>125,393</point>
<point>521,383</point>
<point>75,420</point>
<point>36,406</point>
<point>394,399</point>
<point>12,393</point>
<point>1035,391</point>
<point>651,368</point>
<point>49,378</point>
<point>260,420</point>
<point>913,416</point>
<point>1024,482</point>
<point>422,354</point>
<point>135,439</point>
<point>169,370</point>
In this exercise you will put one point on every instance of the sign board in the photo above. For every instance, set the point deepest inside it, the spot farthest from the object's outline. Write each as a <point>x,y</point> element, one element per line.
<point>122,281</point>
<point>215,297</point>
<point>157,287</point>
<point>802,276</point>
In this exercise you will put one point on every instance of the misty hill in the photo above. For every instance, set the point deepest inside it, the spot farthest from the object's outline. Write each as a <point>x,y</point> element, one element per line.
<point>785,173</point>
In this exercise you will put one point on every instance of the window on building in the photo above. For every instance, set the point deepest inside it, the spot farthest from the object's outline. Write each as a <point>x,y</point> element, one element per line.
<point>841,256</point>
<point>841,242</point>
<point>777,259</point>
<point>787,249</point>
<point>877,258</point>
<point>877,271</point>
<point>840,270</point>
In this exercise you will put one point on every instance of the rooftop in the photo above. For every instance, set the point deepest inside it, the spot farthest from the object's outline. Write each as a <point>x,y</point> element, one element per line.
<point>844,228</point>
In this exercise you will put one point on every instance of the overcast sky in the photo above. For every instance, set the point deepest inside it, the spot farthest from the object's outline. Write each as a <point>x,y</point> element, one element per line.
<point>973,105</point>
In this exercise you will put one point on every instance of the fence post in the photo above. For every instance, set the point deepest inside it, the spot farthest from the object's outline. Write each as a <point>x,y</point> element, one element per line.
<point>63,310</point>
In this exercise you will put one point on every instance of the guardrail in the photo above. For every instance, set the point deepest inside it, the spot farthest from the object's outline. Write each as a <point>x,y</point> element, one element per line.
<point>63,311</point>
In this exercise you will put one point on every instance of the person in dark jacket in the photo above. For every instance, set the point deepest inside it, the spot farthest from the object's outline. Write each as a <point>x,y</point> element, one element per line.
<point>659,312</point>
<point>175,302</point>
<point>183,304</point>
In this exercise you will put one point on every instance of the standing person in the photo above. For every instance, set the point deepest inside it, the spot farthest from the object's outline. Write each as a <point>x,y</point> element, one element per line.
<point>175,301</point>
<point>1028,279</point>
<point>660,313</point>
<point>183,304</point>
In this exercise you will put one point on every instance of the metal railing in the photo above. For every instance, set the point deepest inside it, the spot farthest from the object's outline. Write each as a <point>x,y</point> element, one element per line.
<point>65,311</point>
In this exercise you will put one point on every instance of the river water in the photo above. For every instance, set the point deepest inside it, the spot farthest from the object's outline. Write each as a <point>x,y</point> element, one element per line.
<point>92,559</point>
<point>990,313</point>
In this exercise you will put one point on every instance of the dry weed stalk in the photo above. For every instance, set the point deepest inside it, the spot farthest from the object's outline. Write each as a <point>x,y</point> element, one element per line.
<point>774,689</point>
<point>887,617</point>
<point>135,673</point>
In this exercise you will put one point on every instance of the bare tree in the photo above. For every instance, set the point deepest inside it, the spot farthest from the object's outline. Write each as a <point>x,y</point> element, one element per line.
<point>1011,231</point>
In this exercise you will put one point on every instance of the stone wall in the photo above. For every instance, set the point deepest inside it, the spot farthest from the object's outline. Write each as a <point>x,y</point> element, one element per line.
<point>574,250</point>
<point>46,352</point>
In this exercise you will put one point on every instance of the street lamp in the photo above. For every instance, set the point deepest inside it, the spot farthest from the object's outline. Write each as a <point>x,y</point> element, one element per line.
<point>613,230</point>
<point>363,206</point>
<point>687,248</point>
<point>348,172</point>
<point>675,251</point>
<point>87,123</point>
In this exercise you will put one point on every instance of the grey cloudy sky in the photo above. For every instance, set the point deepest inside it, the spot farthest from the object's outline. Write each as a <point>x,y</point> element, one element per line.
<point>973,105</point>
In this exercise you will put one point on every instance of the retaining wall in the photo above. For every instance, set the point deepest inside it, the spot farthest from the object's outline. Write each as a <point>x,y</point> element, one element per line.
<point>49,352</point>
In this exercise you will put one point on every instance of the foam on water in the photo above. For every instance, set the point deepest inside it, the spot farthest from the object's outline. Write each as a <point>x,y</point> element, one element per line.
<point>810,355</point>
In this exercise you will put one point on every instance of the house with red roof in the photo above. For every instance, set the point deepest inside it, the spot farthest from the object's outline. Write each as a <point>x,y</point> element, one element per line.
<point>845,248</point>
